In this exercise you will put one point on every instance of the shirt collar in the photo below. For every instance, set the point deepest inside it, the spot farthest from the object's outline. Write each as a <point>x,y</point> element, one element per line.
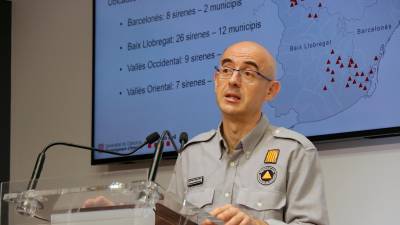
<point>249,142</point>
<point>221,141</point>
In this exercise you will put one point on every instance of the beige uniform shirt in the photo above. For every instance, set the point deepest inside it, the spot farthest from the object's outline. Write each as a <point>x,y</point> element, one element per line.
<point>273,175</point>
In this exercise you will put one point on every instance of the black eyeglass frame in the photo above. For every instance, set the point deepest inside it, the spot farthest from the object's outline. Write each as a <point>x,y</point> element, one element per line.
<point>238,70</point>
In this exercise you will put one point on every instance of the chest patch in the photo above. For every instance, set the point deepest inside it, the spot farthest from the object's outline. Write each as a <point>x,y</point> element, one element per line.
<point>272,156</point>
<point>195,181</point>
<point>267,175</point>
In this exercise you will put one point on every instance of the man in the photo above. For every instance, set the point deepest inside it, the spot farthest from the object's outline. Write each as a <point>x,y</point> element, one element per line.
<point>247,171</point>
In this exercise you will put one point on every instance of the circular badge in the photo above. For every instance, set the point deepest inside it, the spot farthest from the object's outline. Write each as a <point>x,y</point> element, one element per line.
<point>267,175</point>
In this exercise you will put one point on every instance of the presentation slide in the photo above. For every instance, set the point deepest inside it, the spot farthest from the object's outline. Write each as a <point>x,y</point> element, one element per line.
<point>337,61</point>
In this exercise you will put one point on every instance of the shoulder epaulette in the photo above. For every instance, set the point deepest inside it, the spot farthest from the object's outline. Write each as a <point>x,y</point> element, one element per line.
<point>203,137</point>
<point>282,132</point>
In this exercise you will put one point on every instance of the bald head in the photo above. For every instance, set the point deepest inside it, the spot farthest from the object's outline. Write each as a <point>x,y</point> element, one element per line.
<point>256,55</point>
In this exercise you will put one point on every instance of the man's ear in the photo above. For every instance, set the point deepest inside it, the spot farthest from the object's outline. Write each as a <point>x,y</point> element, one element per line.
<point>273,89</point>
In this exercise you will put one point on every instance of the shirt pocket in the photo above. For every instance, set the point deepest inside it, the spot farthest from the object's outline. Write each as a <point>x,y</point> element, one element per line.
<point>262,204</point>
<point>200,197</point>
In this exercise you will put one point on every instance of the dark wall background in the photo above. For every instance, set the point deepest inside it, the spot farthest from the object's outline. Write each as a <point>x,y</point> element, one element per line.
<point>5,96</point>
<point>5,86</point>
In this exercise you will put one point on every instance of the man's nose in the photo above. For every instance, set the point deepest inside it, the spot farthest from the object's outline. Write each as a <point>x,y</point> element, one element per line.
<point>235,78</point>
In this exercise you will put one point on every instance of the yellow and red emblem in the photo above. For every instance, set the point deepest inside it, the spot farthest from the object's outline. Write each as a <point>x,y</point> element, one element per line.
<point>272,156</point>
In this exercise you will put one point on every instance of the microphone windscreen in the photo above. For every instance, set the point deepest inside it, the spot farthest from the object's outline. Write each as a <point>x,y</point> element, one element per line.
<point>153,137</point>
<point>183,138</point>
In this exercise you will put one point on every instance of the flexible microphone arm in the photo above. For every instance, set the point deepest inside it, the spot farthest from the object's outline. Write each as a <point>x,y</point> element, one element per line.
<point>158,153</point>
<point>42,155</point>
<point>159,150</point>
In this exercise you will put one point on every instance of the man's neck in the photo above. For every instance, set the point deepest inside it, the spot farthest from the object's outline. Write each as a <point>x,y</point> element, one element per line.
<point>235,129</point>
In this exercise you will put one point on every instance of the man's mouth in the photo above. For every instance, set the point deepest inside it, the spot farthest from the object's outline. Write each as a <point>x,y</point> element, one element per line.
<point>232,97</point>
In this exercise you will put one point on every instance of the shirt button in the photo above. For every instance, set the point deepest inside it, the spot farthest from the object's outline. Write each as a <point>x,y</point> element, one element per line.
<point>259,204</point>
<point>232,164</point>
<point>227,195</point>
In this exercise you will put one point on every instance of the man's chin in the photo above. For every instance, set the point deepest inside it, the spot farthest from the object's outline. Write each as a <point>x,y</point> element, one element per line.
<point>231,111</point>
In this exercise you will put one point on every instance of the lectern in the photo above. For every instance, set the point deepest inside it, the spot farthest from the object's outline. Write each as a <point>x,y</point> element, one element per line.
<point>61,202</point>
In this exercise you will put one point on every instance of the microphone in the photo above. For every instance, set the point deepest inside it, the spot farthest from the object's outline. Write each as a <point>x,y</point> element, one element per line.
<point>150,193</point>
<point>42,155</point>
<point>30,203</point>
<point>183,137</point>
<point>157,155</point>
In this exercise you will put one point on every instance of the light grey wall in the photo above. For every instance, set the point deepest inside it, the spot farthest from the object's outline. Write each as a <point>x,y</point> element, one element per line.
<point>362,181</point>
<point>52,88</point>
<point>51,101</point>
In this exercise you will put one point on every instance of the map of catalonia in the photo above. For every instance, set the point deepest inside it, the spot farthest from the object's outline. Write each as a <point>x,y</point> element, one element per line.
<point>330,53</point>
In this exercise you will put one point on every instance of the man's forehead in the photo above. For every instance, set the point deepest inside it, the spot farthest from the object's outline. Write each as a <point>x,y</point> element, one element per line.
<point>245,53</point>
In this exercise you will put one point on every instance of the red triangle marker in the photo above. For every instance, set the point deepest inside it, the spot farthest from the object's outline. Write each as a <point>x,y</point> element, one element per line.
<point>366,79</point>
<point>349,65</point>
<point>337,61</point>
<point>328,62</point>
<point>341,65</point>
<point>351,61</point>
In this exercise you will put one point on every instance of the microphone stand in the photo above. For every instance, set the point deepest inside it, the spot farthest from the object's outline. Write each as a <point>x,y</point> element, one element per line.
<point>158,154</point>
<point>150,193</point>
<point>29,204</point>
<point>42,155</point>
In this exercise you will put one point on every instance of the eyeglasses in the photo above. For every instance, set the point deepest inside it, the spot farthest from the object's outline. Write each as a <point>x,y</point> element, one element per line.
<point>247,75</point>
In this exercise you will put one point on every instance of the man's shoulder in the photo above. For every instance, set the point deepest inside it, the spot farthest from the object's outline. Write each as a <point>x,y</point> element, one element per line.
<point>200,138</point>
<point>284,133</point>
